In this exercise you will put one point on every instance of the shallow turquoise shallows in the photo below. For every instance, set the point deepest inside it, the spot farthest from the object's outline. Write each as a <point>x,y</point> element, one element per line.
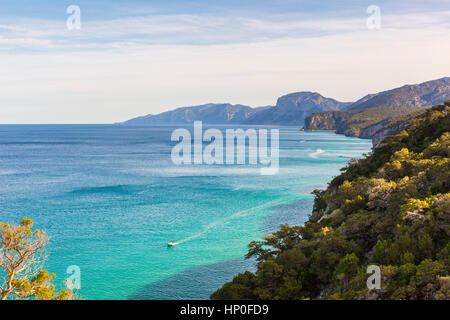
<point>111,199</point>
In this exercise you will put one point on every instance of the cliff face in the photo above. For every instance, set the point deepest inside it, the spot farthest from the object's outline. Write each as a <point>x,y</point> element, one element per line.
<point>372,130</point>
<point>382,133</point>
<point>374,116</point>
<point>209,113</point>
<point>293,108</point>
<point>290,109</point>
<point>369,123</point>
<point>396,125</point>
<point>309,101</point>
<point>424,94</point>
<point>326,120</point>
<point>366,132</point>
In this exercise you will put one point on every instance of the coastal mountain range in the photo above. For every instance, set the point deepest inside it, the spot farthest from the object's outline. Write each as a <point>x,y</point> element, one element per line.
<point>382,114</point>
<point>213,113</point>
<point>375,123</point>
<point>412,96</point>
<point>292,109</point>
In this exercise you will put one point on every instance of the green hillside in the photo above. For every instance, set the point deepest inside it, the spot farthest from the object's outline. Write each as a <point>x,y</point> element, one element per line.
<point>359,123</point>
<point>390,209</point>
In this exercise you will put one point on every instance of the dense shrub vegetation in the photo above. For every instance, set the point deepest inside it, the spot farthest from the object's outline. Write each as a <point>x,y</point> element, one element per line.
<point>391,209</point>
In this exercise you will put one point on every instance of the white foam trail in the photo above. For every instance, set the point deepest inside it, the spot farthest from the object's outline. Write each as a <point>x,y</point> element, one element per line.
<point>316,154</point>
<point>234,215</point>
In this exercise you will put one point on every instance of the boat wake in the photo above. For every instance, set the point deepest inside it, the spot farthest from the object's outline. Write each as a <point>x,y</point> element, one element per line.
<point>242,213</point>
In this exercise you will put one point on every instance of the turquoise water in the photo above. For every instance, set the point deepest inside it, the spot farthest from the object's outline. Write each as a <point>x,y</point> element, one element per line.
<point>111,199</point>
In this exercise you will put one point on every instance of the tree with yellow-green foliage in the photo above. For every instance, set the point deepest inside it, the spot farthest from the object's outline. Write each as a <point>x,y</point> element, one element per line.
<point>22,255</point>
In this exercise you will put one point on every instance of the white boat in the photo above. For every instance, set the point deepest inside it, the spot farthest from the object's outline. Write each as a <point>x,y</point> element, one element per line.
<point>171,244</point>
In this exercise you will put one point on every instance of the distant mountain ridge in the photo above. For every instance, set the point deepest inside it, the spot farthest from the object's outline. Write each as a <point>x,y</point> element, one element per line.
<point>378,115</point>
<point>214,113</point>
<point>293,108</point>
<point>428,93</point>
<point>290,109</point>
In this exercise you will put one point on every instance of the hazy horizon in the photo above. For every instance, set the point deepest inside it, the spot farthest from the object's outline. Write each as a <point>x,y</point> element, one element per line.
<point>137,58</point>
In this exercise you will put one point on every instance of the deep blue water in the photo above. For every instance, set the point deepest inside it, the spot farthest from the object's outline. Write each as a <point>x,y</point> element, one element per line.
<point>111,199</point>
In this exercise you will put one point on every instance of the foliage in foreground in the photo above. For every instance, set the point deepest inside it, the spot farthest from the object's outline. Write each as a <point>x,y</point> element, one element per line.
<point>22,255</point>
<point>390,209</point>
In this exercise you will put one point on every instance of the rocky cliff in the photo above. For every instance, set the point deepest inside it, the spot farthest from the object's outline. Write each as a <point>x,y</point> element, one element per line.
<point>212,113</point>
<point>293,108</point>
<point>367,123</point>
<point>417,95</point>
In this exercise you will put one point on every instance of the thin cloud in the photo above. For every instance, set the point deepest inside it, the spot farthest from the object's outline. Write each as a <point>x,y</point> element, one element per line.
<point>196,30</point>
<point>109,86</point>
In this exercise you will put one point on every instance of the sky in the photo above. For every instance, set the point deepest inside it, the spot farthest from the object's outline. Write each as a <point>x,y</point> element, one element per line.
<point>136,57</point>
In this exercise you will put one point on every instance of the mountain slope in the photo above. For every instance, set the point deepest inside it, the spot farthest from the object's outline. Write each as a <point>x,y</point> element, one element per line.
<point>363,123</point>
<point>374,115</point>
<point>390,209</point>
<point>424,94</point>
<point>292,109</point>
<point>208,113</point>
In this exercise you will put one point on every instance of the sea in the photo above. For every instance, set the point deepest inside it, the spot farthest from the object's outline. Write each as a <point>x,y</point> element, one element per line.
<point>110,198</point>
